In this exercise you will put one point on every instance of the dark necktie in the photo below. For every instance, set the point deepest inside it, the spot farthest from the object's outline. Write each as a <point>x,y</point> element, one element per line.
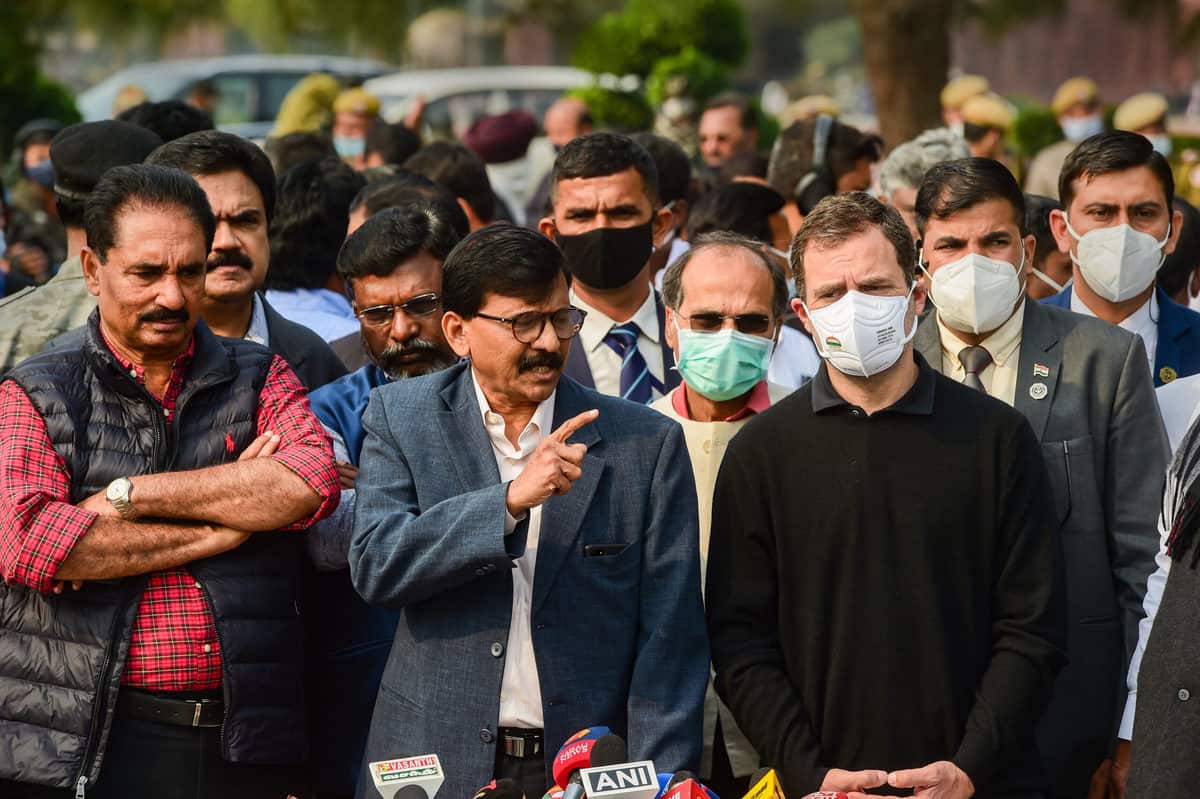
<point>974,361</point>
<point>635,375</point>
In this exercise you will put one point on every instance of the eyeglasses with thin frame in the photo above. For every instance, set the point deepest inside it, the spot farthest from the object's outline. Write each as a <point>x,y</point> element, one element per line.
<point>527,327</point>
<point>754,324</point>
<point>382,315</point>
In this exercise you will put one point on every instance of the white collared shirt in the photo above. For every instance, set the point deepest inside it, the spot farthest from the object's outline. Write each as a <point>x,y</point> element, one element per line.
<point>1143,321</point>
<point>603,359</point>
<point>258,332</point>
<point>520,691</point>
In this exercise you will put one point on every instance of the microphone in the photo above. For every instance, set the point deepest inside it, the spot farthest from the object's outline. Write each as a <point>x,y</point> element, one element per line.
<point>503,788</point>
<point>596,746</point>
<point>686,789</point>
<point>765,785</point>
<point>636,780</point>
<point>576,753</point>
<point>407,778</point>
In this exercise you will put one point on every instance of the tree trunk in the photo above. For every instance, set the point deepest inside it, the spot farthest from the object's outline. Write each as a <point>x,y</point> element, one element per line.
<point>906,44</point>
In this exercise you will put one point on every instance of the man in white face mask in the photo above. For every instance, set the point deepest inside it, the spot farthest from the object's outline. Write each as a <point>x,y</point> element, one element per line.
<point>1084,388</point>
<point>1118,225</point>
<point>842,590</point>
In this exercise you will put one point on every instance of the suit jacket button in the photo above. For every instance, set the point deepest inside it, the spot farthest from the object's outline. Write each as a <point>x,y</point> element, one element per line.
<point>1184,694</point>
<point>497,649</point>
<point>480,571</point>
<point>486,736</point>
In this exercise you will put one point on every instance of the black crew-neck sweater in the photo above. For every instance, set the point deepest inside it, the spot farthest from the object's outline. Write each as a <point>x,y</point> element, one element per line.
<point>886,591</point>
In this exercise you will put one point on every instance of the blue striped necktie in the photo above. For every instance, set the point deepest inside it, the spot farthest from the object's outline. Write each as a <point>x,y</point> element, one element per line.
<point>635,375</point>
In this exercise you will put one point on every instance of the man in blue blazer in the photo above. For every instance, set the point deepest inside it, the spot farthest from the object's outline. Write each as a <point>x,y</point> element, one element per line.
<point>540,540</point>
<point>1118,225</point>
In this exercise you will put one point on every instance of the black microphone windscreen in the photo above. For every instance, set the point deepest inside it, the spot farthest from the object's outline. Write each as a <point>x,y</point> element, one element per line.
<point>411,792</point>
<point>682,776</point>
<point>609,751</point>
<point>506,788</point>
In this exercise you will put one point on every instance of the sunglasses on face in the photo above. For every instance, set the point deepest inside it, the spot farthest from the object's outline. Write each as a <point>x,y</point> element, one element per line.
<point>755,324</point>
<point>382,315</point>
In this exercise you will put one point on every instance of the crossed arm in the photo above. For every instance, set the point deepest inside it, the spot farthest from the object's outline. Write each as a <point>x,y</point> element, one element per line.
<point>281,481</point>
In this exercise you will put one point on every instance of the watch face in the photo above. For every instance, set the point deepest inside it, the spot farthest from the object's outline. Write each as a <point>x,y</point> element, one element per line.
<point>117,490</point>
<point>113,492</point>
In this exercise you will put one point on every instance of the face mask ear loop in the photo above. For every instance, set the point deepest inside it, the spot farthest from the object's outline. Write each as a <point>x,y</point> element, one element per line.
<point>928,294</point>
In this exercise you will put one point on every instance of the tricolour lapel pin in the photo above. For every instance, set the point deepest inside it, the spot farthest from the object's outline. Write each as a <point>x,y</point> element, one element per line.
<point>1041,370</point>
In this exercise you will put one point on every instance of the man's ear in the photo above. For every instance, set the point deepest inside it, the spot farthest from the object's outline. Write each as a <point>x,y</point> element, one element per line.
<point>473,221</point>
<point>670,331</point>
<point>661,226</point>
<point>802,315</point>
<point>547,227</point>
<point>1176,227</point>
<point>454,328</point>
<point>91,270</point>
<point>1030,245</point>
<point>1058,227</point>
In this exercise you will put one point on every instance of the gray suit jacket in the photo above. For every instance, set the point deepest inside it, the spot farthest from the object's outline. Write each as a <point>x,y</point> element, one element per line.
<point>619,638</point>
<point>1106,451</point>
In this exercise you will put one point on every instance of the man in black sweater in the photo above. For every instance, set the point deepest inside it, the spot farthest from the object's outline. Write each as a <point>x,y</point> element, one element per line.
<point>885,586</point>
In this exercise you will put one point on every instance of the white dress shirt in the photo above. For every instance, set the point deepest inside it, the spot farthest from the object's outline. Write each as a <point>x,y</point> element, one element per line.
<point>1155,586</point>
<point>1179,404</point>
<point>603,359</point>
<point>794,361</point>
<point>258,332</point>
<point>1143,321</point>
<point>520,691</point>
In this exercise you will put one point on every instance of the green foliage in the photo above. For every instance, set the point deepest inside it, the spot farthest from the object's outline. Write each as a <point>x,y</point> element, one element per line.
<point>33,96</point>
<point>632,41</point>
<point>690,72</point>
<point>1035,129</point>
<point>624,112</point>
<point>25,93</point>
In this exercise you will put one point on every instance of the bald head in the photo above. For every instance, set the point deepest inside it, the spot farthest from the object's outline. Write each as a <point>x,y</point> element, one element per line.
<point>566,119</point>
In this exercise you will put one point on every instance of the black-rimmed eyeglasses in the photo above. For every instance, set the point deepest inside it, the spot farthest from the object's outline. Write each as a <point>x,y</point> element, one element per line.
<point>527,327</point>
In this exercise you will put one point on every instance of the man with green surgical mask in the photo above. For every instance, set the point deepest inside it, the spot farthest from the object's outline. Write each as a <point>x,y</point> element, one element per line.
<point>725,302</point>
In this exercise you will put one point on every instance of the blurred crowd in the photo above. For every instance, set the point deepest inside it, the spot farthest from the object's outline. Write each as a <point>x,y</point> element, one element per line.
<point>895,436</point>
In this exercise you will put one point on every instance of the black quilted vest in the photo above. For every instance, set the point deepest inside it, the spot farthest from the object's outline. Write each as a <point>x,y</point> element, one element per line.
<point>61,657</point>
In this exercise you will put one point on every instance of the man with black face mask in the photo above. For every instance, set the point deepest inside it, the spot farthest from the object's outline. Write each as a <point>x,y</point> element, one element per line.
<point>607,218</point>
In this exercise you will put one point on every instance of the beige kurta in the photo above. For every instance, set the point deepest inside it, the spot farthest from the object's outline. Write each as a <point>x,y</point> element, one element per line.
<point>706,443</point>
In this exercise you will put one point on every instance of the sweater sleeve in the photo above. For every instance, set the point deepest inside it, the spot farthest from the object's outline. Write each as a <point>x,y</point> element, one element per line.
<point>742,597</point>
<point>1029,618</point>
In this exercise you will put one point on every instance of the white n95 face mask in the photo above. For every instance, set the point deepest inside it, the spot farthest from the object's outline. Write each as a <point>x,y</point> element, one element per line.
<point>1059,288</point>
<point>1118,262</point>
<point>862,335</point>
<point>975,294</point>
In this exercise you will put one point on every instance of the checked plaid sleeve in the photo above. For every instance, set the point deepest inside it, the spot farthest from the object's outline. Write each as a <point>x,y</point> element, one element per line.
<point>38,524</point>
<point>304,446</point>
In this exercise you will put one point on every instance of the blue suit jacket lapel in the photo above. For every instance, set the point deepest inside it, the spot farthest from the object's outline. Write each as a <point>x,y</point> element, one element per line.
<point>671,378</point>
<point>562,516</point>
<point>1172,329</point>
<point>466,440</point>
<point>577,367</point>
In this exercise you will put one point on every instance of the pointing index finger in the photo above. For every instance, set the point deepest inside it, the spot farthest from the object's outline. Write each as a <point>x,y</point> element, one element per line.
<point>569,427</point>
